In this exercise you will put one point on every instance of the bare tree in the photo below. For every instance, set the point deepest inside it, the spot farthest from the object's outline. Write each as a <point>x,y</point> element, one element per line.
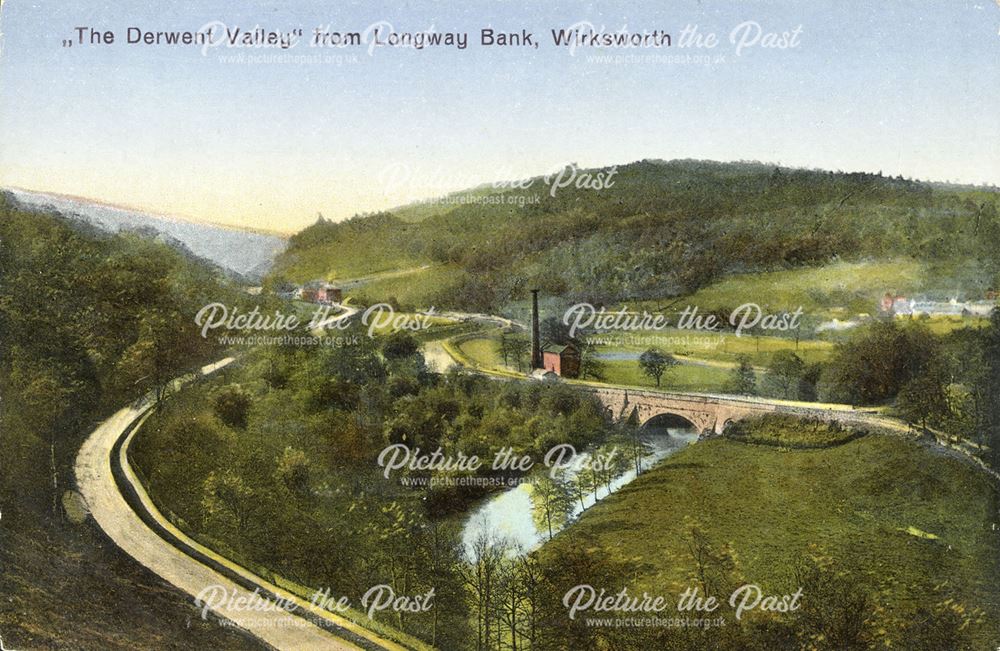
<point>552,500</point>
<point>482,578</point>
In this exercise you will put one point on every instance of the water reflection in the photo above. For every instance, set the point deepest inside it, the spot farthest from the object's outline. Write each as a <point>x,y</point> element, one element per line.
<point>509,516</point>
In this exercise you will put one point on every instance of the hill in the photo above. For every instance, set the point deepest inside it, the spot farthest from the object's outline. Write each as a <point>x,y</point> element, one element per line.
<point>244,252</point>
<point>660,229</point>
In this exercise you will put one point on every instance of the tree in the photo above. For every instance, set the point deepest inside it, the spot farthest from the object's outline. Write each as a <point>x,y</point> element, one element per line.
<point>512,603</point>
<point>612,464</point>
<point>530,575</point>
<point>784,374</point>
<point>519,350</point>
<point>577,564</point>
<point>402,355</point>
<point>46,390</point>
<point>838,612</point>
<point>442,548</point>
<point>358,364</point>
<point>580,486</point>
<point>591,365</point>
<point>513,349</point>
<point>400,345</point>
<point>924,399</point>
<point>552,499</point>
<point>655,363</point>
<point>293,471</point>
<point>232,406</point>
<point>742,379</point>
<point>715,569</point>
<point>809,381</point>
<point>503,347</point>
<point>636,443</point>
<point>164,347</point>
<point>554,331</point>
<point>878,360</point>
<point>228,497</point>
<point>991,380</point>
<point>481,576</point>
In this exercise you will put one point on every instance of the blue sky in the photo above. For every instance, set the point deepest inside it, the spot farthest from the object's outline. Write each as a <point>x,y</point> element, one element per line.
<point>908,88</point>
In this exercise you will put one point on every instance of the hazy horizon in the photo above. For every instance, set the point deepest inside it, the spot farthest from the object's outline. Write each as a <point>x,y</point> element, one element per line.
<point>311,219</point>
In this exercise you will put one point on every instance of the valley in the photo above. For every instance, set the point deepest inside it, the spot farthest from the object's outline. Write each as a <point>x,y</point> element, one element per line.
<point>276,460</point>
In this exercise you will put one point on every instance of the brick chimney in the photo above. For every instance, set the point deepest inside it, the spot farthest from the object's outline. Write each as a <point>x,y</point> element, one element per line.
<point>536,343</point>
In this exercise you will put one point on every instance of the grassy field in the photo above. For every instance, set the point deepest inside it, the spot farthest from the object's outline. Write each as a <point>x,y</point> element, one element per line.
<point>910,524</point>
<point>482,351</point>
<point>840,290</point>
<point>722,347</point>
<point>365,256</point>
<point>684,377</point>
<point>837,289</point>
<point>415,289</point>
<point>944,324</point>
<point>854,286</point>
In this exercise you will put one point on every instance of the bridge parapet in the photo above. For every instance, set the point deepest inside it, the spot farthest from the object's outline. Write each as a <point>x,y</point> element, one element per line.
<point>711,413</point>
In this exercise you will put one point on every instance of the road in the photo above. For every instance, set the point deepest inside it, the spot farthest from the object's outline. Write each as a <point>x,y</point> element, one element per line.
<point>121,507</point>
<point>487,319</point>
<point>346,312</point>
<point>351,283</point>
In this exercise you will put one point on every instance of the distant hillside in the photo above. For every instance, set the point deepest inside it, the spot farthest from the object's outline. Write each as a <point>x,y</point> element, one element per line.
<point>662,229</point>
<point>246,253</point>
<point>421,210</point>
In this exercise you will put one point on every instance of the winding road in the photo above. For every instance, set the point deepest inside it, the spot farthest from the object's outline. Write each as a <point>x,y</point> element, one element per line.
<point>123,510</point>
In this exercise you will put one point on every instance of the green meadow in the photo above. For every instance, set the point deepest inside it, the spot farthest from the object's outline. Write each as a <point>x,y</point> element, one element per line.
<point>483,353</point>
<point>908,525</point>
<point>845,288</point>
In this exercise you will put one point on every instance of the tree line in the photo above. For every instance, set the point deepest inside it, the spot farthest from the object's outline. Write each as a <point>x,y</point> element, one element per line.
<point>666,229</point>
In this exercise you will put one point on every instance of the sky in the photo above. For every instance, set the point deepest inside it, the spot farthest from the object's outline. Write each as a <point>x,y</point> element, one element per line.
<point>268,138</point>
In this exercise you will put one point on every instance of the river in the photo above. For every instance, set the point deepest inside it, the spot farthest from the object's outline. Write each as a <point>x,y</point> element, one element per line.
<point>509,515</point>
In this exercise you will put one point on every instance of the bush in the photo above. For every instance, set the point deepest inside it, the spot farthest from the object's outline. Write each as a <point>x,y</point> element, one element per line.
<point>790,431</point>
<point>232,405</point>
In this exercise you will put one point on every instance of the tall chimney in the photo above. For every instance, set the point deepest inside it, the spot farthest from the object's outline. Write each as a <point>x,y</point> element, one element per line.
<point>536,344</point>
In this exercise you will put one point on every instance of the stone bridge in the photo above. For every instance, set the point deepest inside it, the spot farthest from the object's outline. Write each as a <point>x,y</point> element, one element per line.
<point>710,413</point>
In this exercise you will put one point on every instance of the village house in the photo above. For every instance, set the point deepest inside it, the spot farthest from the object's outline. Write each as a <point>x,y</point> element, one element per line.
<point>320,291</point>
<point>979,308</point>
<point>902,305</point>
<point>896,305</point>
<point>885,305</point>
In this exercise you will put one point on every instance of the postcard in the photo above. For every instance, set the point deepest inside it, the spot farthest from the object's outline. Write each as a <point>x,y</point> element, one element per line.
<point>500,325</point>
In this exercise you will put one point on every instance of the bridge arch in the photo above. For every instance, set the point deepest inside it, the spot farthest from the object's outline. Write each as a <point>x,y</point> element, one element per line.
<point>709,414</point>
<point>669,419</point>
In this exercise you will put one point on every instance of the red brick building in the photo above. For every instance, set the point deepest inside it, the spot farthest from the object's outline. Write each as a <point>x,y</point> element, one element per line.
<point>561,360</point>
<point>318,291</point>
